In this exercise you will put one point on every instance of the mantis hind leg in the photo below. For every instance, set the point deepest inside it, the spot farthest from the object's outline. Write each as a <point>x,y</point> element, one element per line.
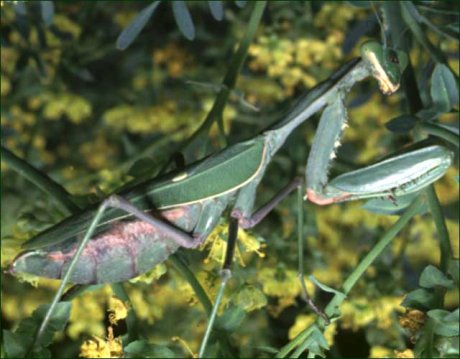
<point>175,234</point>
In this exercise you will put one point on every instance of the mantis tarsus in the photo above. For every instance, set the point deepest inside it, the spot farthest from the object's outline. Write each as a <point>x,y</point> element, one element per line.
<point>180,209</point>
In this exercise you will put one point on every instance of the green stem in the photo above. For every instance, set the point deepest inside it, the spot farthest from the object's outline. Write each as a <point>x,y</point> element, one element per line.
<point>40,179</point>
<point>380,246</point>
<point>444,241</point>
<point>229,81</point>
<point>188,275</point>
<point>213,316</point>
<point>331,308</point>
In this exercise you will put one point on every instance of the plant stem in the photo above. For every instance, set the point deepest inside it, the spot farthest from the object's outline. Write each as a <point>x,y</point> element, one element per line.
<point>188,275</point>
<point>217,110</point>
<point>41,180</point>
<point>444,241</point>
<point>380,246</point>
<point>336,301</point>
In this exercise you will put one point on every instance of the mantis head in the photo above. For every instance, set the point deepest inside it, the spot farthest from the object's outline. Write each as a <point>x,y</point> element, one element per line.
<point>387,65</point>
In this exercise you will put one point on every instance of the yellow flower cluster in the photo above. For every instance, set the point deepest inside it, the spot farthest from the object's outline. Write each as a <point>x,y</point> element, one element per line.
<point>76,108</point>
<point>293,63</point>
<point>100,348</point>
<point>300,62</point>
<point>360,312</point>
<point>98,152</point>
<point>145,120</point>
<point>87,313</point>
<point>174,58</point>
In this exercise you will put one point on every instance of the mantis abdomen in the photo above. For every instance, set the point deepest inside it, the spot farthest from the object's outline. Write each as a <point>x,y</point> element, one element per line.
<point>126,250</point>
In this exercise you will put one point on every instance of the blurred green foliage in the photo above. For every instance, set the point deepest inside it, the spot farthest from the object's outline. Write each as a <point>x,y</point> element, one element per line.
<point>84,113</point>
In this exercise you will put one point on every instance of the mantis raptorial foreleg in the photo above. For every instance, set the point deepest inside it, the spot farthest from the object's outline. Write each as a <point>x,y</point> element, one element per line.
<point>396,176</point>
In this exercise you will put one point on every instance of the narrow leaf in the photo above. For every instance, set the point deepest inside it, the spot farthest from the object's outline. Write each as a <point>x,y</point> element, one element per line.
<point>392,207</point>
<point>402,124</point>
<point>183,19</point>
<point>444,90</point>
<point>47,11</point>
<point>240,3</point>
<point>217,10</point>
<point>128,35</point>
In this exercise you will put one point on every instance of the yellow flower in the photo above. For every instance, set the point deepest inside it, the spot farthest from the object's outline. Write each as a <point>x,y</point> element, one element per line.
<point>117,309</point>
<point>217,241</point>
<point>380,352</point>
<point>413,320</point>
<point>100,348</point>
<point>408,353</point>
<point>250,298</point>
<point>152,275</point>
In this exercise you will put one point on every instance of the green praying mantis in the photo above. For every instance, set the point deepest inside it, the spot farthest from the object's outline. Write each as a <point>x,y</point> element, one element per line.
<point>135,229</point>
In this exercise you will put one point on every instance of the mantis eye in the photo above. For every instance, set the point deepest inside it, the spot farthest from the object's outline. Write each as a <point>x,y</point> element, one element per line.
<point>393,57</point>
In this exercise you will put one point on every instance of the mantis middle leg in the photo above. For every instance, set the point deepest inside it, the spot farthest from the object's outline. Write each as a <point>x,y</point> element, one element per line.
<point>238,219</point>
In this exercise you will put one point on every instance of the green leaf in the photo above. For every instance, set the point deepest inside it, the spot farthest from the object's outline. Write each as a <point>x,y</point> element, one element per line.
<point>47,12</point>
<point>15,345</point>
<point>446,322</point>
<point>432,277</point>
<point>402,124</point>
<point>183,19</point>
<point>217,10</point>
<point>444,90</point>
<point>386,206</point>
<point>421,299</point>
<point>128,35</point>
<point>144,349</point>
<point>448,347</point>
<point>141,167</point>
<point>231,319</point>
<point>240,3</point>
<point>57,322</point>
<point>316,343</point>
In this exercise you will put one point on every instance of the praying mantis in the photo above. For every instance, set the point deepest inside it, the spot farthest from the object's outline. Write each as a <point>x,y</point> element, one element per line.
<point>105,244</point>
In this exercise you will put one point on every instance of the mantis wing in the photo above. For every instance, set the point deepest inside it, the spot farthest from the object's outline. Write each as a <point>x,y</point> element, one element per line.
<point>214,176</point>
